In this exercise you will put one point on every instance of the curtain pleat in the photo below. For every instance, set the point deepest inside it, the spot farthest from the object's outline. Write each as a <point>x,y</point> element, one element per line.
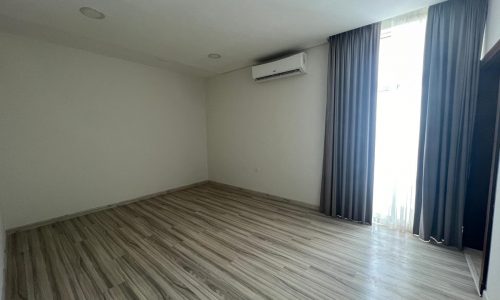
<point>348,161</point>
<point>449,93</point>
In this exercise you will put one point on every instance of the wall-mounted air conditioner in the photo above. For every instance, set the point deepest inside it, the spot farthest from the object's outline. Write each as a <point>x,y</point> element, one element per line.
<point>289,66</point>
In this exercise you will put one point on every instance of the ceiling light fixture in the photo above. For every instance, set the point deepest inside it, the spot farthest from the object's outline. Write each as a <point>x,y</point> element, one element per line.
<point>214,56</point>
<point>92,13</point>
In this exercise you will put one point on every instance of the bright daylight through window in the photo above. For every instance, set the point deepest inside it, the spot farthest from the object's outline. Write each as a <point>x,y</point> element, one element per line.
<point>398,119</point>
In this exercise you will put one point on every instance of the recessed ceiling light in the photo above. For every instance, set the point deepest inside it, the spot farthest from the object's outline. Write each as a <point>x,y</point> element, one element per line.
<point>92,13</point>
<point>214,55</point>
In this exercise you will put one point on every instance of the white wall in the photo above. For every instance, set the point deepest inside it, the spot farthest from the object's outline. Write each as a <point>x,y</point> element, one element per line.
<point>80,130</point>
<point>493,287</point>
<point>492,33</point>
<point>269,136</point>
<point>492,284</point>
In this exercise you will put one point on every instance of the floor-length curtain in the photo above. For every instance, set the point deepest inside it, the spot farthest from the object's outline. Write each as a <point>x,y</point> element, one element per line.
<point>347,184</point>
<point>449,89</point>
<point>401,57</point>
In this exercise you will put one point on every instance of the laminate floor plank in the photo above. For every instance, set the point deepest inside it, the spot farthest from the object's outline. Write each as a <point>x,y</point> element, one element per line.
<point>218,242</point>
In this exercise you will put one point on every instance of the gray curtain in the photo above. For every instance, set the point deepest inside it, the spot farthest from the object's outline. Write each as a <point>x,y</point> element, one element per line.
<point>449,89</point>
<point>347,184</point>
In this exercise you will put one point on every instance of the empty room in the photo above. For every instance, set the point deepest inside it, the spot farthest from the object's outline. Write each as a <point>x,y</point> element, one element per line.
<point>250,149</point>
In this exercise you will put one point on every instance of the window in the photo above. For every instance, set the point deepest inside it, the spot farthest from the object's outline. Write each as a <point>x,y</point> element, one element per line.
<point>398,119</point>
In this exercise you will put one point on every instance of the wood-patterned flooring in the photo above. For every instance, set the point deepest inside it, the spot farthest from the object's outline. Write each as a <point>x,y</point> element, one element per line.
<point>214,242</point>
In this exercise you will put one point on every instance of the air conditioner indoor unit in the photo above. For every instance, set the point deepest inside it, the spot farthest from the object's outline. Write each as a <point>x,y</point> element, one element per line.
<point>285,67</point>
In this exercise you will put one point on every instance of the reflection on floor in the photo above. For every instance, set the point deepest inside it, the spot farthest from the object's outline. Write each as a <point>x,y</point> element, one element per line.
<point>214,242</point>
<point>474,261</point>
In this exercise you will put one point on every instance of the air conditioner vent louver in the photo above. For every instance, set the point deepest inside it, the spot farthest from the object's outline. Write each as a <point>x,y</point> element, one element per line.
<point>289,66</point>
<point>277,75</point>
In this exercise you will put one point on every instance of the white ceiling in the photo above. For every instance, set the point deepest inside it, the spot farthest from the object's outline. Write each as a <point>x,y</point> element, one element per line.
<point>178,34</point>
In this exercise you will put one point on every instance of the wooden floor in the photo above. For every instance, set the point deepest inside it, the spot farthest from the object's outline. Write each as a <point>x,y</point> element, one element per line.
<point>213,242</point>
<point>474,259</point>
